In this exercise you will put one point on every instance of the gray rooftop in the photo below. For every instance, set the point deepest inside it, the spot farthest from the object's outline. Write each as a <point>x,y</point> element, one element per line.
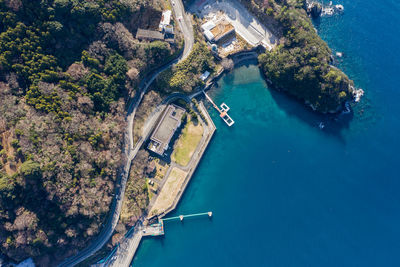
<point>166,128</point>
<point>149,35</point>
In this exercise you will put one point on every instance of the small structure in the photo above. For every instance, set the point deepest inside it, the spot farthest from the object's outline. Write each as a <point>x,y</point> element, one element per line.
<point>169,29</point>
<point>205,75</point>
<point>149,35</point>
<point>206,27</point>
<point>169,123</point>
<point>209,36</point>
<point>165,19</point>
<point>166,27</point>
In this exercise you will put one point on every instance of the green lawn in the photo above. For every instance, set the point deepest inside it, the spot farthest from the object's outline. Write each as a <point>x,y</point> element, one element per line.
<point>187,143</point>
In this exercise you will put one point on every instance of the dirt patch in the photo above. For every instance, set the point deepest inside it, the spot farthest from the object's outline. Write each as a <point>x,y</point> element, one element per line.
<point>7,156</point>
<point>169,192</point>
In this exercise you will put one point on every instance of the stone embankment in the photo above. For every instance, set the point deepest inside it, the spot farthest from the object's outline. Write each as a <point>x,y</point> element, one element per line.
<point>127,248</point>
<point>197,155</point>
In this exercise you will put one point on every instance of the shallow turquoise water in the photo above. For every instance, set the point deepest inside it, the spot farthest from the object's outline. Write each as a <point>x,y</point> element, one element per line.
<point>285,193</point>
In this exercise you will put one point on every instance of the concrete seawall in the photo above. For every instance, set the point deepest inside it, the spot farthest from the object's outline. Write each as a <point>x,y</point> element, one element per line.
<point>126,250</point>
<point>196,158</point>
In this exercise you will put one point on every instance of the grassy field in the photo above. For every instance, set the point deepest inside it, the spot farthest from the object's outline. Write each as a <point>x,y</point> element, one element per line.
<point>187,143</point>
<point>169,191</point>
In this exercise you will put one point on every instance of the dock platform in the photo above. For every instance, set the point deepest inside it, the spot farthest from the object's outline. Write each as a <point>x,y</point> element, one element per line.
<point>223,111</point>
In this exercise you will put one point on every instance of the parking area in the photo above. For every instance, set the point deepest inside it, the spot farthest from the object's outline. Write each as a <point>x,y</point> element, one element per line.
<point>245,24</point>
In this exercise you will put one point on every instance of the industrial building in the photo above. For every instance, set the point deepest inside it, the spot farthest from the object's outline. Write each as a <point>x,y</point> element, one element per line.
<point>162,135</point>
<point>149,35</point>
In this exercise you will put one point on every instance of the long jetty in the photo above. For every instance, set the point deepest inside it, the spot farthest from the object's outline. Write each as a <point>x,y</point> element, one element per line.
<point>181,217</point>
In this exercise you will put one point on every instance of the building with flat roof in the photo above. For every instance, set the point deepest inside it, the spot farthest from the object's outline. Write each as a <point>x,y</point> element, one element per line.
<point>162,135</point>
<point>217,31</point>
<point>165,19</point>
<point>222,30</point>
<point>205,75</point>
<point>149,35</point>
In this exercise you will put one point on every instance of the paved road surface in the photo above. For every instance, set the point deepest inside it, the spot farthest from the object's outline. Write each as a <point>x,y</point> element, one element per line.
<point>108,228</point>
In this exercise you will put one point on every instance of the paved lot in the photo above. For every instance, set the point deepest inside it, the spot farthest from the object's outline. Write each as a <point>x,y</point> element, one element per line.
<point>246,25</point>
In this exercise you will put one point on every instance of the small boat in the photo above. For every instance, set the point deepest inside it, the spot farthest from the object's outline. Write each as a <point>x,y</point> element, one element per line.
<point>321,125</point>
<point>339,54</point>
<point>339,8</point>
<point>357,94</point>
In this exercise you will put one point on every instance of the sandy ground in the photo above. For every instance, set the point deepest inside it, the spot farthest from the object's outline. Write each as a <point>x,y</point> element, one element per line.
<point>169,192</point>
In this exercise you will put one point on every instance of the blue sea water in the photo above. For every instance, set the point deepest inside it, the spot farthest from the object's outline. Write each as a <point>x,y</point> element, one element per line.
<point>285,193</point>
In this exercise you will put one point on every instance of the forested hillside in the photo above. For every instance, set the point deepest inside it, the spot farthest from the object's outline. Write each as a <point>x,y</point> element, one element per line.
<point>67,68</point>
<point>300,65</point>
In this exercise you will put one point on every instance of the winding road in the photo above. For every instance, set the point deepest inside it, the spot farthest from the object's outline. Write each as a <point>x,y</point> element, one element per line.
<point>130,151</point>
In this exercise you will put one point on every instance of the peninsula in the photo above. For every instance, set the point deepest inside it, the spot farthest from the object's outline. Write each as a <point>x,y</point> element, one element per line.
<point>103,116</point>
<point>302,63</point>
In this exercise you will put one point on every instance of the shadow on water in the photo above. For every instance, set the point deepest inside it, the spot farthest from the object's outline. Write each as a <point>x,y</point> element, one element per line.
<point>246,63</point>
<point>334,124</point>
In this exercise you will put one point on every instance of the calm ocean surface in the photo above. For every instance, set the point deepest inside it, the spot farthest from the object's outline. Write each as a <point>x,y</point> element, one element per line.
<point>285,193</point>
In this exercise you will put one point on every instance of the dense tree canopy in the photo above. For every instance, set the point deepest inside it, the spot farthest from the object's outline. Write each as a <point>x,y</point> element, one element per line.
<point>301,63</point>
<point>185,75</point>
<point>66,67</point>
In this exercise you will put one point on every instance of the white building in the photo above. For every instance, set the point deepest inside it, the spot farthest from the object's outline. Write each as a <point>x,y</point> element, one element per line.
<point>205,75</point>
<point>207,27</point>
<point>169,29</point>
<point>165,19</point>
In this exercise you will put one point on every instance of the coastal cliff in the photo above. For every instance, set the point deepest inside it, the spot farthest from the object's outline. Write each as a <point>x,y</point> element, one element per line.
<point>300,65</point>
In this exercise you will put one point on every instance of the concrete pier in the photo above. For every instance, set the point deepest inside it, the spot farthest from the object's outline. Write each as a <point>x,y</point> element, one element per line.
<point>223,111</point>
<point>181,217</point>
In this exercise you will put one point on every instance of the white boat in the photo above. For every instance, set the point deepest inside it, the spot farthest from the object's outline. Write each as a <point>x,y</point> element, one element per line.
<point>358,94</point>
<point>321,125</point>
<point>339,54</point>
<point>339,8</point>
